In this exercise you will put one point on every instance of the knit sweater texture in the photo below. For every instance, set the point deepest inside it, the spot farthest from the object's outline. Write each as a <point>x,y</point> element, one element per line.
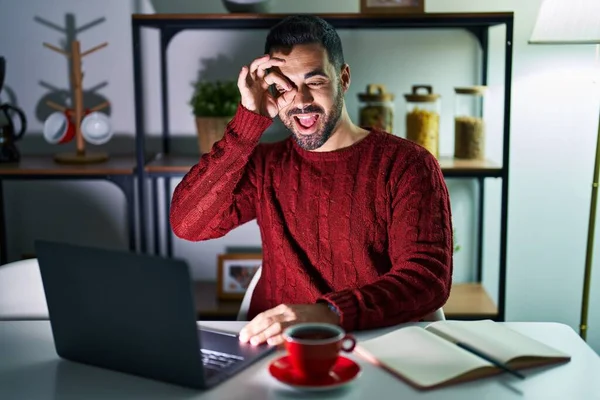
<point>366,228</point>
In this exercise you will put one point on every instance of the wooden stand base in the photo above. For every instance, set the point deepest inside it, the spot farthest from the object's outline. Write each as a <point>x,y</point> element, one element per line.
<point>85,158</point>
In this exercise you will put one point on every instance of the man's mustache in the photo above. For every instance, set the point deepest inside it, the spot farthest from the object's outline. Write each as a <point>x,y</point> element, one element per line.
<point>311,109</point>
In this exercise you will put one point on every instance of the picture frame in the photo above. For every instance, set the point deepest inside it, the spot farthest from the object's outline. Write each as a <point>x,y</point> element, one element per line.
<point>392,6</point>
<point>234,273</point>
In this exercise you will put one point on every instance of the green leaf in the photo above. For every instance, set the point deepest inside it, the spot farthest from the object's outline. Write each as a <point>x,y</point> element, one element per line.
<point>456,246</point>
<point>215,99</point>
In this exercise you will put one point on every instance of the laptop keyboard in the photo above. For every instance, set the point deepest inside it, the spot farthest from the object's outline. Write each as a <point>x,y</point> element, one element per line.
<point>216,360</point>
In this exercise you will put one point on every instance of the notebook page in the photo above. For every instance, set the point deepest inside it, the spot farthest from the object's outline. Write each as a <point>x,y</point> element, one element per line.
<point>494,339</point>
<point>420,356</point>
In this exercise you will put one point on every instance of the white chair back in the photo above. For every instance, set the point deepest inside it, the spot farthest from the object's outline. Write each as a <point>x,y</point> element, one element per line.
<point>437,315</point>
<point>243,312</point>
<point>22,293</point>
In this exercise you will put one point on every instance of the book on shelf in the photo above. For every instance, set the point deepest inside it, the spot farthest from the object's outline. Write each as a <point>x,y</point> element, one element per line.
<point>436,355</point>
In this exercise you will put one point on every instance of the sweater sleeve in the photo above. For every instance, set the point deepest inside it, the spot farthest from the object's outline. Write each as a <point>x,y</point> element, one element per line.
<point>420,250</point>
<point>219,193</point>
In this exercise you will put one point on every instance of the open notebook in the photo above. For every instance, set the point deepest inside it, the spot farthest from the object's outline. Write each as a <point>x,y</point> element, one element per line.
<point>428,357</point>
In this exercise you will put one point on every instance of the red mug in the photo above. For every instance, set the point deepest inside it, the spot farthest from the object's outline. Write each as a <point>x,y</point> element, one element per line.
<point>59,128</point>
<point>314,347</point>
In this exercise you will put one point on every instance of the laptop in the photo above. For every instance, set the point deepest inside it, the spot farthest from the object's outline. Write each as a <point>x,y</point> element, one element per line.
<point>135,314</point>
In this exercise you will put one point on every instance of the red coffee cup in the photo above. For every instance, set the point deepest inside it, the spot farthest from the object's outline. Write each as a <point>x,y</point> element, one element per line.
<point>314,347</point>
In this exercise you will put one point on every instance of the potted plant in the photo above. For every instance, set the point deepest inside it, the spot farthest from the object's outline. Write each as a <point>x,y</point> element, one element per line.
<point>213,104</point>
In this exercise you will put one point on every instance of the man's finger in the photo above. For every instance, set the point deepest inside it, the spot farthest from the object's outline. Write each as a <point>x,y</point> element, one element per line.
<point>260,325</point>
<point>271,105</point>
<point>286,98</point>
<point>261,322</point>
<point>254,64</point>
<point>275,340</point>
<point>273,330</point>
<point>262,67</point>
<point>275,78</point>
<point>242,77</point>
<point>254,327</point>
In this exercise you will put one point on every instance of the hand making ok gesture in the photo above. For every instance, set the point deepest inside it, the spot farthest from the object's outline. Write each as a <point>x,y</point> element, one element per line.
<point>254,81</point>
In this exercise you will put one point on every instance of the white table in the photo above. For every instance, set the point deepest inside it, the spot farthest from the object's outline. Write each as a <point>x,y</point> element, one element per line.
<point>30,369</point>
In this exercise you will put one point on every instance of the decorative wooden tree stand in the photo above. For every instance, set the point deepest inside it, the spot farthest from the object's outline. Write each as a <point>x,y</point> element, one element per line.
<point>81,156</point>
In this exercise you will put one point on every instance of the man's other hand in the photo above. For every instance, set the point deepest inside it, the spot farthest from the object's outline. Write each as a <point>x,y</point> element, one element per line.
<point>268,326</point>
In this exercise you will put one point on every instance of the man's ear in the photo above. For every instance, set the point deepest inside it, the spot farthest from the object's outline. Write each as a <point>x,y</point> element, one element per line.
<point>345,77</point>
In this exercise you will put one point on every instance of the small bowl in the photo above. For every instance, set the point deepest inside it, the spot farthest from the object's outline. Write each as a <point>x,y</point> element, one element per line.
<point>248,6</point>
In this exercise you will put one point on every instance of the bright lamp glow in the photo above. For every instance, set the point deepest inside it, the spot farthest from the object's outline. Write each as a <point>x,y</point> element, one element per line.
<point>567,22</point>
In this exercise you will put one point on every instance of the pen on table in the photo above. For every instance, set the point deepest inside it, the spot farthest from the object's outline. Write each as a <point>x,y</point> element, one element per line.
<point>490,359</point>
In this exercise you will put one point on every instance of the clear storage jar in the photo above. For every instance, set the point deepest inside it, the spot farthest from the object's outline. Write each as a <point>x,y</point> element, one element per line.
<point>469,125</point>
<point>377,108</point>
<point>423,117</point>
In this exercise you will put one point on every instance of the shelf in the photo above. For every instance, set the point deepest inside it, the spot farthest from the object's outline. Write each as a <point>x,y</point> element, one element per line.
<point>208,307</point>
<point>467,301</point>
<point>180,165</point>
<point>452,167</point>
<point>340,21</point>
<point>46,166</point>
<point>171,164</point>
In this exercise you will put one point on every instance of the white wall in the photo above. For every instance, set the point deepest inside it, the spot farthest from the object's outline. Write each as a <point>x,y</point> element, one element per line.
<point>554,119</point>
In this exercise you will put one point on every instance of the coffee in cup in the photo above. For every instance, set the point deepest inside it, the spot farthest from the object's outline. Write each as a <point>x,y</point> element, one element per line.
<point>314,347</point>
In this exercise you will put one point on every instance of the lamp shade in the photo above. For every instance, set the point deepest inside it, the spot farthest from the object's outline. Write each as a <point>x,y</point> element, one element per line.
<point>567,22</point>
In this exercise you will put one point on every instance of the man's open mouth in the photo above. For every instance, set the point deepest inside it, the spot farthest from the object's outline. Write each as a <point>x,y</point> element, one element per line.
<point>306,123</point>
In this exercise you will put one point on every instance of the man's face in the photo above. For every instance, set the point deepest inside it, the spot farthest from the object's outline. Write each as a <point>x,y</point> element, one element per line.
<point>314,113</point>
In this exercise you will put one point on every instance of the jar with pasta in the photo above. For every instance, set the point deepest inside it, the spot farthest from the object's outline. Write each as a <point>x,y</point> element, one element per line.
<point>469,126</point>
<point>377,108</point>
<point>423,118</point>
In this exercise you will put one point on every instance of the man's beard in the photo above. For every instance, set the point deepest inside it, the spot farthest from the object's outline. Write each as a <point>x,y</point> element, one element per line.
<point>324,132</point>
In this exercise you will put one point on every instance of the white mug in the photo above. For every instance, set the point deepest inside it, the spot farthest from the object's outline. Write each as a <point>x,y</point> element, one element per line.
<point>96,128</point>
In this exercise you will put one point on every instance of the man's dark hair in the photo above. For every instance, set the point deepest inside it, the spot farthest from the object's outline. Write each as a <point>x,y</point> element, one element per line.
<point>306,29</point>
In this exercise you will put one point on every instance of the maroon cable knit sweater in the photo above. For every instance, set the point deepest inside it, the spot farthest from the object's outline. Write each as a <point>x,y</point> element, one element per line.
<point>366,228</point>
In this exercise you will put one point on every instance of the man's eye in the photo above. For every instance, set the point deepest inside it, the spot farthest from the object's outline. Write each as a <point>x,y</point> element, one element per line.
<point>315,84</point>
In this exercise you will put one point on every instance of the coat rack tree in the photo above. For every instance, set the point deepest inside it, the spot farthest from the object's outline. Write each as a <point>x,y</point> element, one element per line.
<point>81,156</point>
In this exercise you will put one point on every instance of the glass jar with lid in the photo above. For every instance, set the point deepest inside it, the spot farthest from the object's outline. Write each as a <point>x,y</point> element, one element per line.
<point>469,126</point>
<point>377,108</point>
<point>423,117</point>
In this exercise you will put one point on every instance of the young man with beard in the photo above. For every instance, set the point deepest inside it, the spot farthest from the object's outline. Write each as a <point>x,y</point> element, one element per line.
<point>355,223</point>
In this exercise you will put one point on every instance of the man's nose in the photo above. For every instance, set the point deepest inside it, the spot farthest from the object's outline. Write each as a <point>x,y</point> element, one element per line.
<point>304,97</point>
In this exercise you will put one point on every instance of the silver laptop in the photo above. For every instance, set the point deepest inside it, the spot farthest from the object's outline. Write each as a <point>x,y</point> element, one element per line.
<point>134,314</point>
